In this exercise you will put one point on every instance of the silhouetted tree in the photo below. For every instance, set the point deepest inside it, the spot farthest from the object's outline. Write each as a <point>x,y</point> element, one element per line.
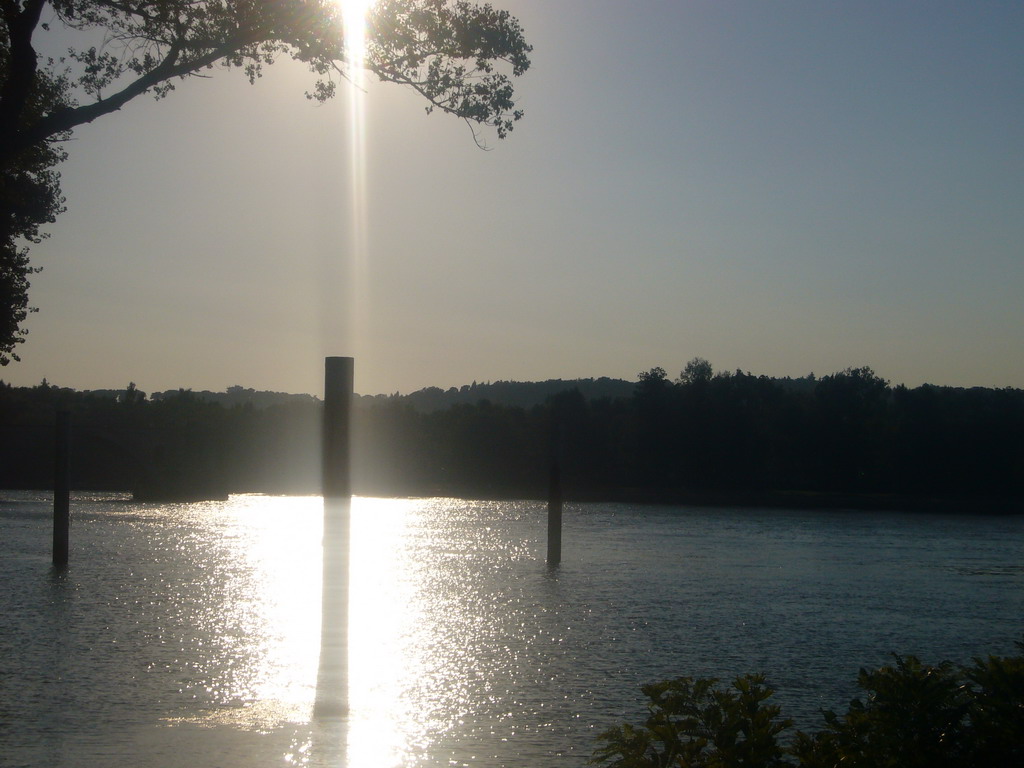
<point>651,382</point>
<point>852,429</point>
<point>30,197</point>
<point>132,394</point>
<point>697,370</point>
<point>458,56</point>
<point>656,430</point>
<point>445,51</point>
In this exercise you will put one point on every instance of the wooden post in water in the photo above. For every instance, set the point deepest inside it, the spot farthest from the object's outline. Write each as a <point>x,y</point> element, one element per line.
<point>554,516</point>
<point>339,374</point>
<point>332,680</point>
<point>62,489</point>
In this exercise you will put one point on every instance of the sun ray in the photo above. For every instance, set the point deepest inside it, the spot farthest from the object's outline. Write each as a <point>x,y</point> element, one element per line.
<point>354,19</point>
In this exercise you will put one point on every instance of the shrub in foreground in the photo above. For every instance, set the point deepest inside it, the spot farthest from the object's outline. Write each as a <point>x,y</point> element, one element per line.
<point>913,715</point>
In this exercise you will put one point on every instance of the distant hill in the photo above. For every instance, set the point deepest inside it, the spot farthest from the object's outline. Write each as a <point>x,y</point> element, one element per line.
<point>520,394</point>
<point>236,396</point>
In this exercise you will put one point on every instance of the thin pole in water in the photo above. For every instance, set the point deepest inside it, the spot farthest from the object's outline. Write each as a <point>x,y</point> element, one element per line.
<point>554,516</point>
<point>62,489</point>
<point>332,680</point>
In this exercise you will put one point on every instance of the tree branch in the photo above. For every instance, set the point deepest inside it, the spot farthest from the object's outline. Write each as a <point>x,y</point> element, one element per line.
<point>23,64</point>
<point>171,67</point>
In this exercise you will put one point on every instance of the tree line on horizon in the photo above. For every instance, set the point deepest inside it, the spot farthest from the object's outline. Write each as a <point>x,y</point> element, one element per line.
<point>702,436</point>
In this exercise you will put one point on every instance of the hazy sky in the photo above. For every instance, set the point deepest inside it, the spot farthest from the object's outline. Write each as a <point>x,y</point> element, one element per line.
<point>781,187</point>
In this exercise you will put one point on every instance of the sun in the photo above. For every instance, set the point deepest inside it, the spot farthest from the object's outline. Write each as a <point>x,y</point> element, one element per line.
<point>353,15</point>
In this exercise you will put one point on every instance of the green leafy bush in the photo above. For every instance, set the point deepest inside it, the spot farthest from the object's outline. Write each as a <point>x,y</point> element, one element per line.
<point>693,723</point>
<point>913,715</point>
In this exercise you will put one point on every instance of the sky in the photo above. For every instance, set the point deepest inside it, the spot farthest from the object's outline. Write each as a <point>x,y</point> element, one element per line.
<point>779,187</point>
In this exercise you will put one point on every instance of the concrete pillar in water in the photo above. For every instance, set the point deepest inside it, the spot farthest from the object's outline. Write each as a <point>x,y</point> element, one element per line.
<point>554,517</point>
<point>62,489</point>
<point>332,679</point>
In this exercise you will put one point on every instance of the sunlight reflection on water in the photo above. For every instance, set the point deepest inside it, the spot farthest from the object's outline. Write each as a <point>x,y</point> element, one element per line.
<point>408,681</point>
<point>276,543</point>
<point>381,615</point>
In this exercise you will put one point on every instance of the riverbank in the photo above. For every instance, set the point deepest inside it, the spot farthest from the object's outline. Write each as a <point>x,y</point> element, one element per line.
<point>889,502</point>
<point>803,500</point>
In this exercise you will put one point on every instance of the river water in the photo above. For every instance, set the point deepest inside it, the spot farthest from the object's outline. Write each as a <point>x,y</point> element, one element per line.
<point>188,635</point>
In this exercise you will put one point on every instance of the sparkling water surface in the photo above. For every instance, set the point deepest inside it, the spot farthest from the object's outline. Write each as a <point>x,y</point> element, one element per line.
<point>188,634</point>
